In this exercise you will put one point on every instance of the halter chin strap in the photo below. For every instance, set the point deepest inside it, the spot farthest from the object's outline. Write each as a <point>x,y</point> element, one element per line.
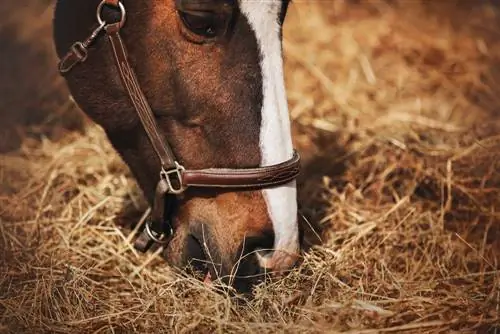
<point>174,179</point>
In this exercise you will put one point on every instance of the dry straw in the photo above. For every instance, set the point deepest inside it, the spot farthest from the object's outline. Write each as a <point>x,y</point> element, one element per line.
<point>394,107</point>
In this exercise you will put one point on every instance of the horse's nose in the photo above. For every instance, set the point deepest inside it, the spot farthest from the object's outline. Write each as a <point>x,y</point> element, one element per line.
<point>235,263</point>
<point>242,264</point>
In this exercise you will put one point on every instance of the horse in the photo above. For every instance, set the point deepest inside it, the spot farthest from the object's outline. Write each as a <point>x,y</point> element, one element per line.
<point>191,95</point>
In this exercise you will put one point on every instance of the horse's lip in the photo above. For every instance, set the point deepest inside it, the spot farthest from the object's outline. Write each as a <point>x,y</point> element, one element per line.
<point>208,278</point>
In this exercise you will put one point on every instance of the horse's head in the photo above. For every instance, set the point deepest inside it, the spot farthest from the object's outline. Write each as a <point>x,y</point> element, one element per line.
<point>212,73</point>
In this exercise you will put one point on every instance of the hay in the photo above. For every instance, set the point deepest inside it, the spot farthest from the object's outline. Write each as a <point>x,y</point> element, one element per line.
<point>394,109</point>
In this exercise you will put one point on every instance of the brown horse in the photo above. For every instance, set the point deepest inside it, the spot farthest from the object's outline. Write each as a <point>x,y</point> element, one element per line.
<point>212,73</point>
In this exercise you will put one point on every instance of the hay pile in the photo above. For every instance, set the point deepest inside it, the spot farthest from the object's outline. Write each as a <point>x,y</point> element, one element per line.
<point>394,109</point>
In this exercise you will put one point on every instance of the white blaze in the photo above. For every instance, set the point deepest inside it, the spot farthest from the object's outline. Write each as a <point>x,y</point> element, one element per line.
<point>275,134</point>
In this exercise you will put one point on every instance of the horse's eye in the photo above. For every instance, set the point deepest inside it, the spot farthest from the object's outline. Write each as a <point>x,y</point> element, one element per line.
<point>205,24</point>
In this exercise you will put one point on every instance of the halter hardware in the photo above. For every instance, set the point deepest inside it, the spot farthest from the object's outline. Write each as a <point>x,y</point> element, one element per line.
<point>115,4</point>
<point>174,178</point>
<point>161,238</point>
<point>79,51</point>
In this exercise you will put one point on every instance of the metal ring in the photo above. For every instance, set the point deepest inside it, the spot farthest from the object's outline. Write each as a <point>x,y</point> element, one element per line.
<point>163,240</point>
<point>122,11</point>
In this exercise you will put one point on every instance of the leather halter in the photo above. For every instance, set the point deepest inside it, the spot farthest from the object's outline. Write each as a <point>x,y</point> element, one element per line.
<point>174,179</point>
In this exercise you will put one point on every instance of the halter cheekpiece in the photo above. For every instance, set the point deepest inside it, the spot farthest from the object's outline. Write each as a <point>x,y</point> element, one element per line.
<point>174,178</point>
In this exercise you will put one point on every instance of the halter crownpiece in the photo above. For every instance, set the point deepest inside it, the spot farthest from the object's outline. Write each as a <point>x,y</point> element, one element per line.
<point>174,178</point>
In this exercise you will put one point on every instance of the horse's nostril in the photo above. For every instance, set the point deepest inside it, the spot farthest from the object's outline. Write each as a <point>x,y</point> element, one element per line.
<point>194,248</point>
<point>253,253</point>
<point>195,256</point>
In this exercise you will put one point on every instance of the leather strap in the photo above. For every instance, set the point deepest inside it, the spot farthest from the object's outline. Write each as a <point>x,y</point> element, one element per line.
<point>259,177</point>
<point>137,97</point>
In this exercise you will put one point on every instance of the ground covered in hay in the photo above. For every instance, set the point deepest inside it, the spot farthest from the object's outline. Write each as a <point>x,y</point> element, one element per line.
<point>395,110</point>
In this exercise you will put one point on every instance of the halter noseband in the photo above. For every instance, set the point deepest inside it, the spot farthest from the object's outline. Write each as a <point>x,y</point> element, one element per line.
<point>174,178</point>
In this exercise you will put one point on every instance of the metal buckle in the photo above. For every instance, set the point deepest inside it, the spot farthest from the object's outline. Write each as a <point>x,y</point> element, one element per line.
<point>159,238</point>
<point>80,51</point>
<point>176,172</point>
<point>122,11</point>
